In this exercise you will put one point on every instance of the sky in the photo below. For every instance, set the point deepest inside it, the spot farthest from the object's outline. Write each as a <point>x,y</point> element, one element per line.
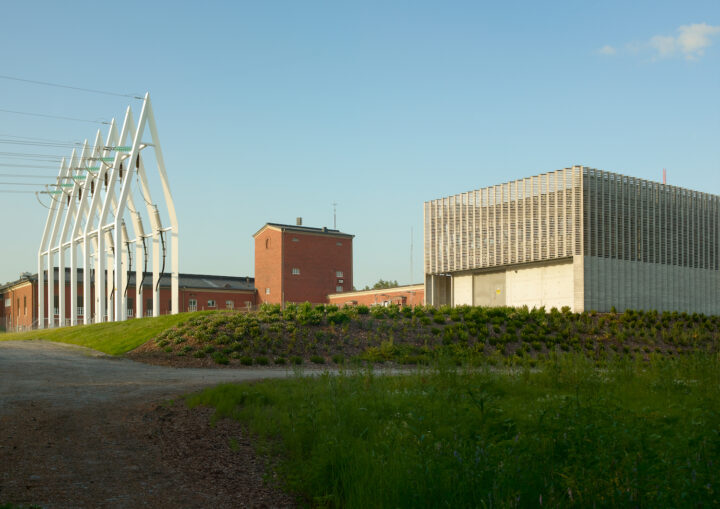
<point>273,110</point>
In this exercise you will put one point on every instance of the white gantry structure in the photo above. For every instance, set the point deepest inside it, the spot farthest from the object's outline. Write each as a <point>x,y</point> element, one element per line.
<point>91,204</point>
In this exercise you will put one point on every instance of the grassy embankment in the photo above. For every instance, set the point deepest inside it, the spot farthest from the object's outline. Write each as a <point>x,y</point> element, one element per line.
<point>635,433</point>
<point>469,335</point>
<point>114,338</point>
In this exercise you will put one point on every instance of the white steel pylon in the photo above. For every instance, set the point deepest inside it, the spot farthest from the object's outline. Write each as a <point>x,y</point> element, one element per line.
<point>103,212</point>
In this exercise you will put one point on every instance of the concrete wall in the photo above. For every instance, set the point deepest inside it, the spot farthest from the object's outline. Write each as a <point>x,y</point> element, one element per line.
<point>462,288</point>
<point>489,289</point>
<point>547,285</point>
<point>640,285</point>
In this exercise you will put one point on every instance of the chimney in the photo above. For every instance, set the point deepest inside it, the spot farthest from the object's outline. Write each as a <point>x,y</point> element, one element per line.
<point>298,221</point>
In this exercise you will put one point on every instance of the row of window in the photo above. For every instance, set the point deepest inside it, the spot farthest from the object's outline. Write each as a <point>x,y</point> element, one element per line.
<point>296,272</point>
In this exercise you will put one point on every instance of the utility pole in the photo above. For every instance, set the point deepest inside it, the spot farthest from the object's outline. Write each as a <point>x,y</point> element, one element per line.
<point>334,215</point>
<point>412,281</point>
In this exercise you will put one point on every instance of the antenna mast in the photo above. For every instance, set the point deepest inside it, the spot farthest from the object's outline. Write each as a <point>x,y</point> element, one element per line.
<point>334,215</point>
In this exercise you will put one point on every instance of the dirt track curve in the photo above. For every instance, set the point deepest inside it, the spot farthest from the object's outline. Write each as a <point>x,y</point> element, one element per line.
<point>82,429</point>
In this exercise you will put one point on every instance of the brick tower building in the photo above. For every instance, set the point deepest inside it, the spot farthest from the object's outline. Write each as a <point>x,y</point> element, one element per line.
<point>299,263</point>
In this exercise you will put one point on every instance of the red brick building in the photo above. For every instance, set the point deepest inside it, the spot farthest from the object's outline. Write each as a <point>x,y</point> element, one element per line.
<point>197,292</point>
<point>410,295</point>
<point>299,263</point>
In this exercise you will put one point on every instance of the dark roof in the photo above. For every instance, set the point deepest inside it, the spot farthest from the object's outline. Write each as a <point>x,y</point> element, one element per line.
<point>305,229</point>
<point>199,281</point>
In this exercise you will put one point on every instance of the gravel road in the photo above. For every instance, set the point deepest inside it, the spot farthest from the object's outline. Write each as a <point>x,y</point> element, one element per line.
<point>82,429</point>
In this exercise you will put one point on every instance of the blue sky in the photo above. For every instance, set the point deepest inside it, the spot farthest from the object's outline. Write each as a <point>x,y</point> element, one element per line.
<point>272,110</point>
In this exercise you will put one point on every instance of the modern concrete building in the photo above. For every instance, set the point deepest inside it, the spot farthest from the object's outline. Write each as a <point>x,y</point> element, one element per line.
<point>577,237</point>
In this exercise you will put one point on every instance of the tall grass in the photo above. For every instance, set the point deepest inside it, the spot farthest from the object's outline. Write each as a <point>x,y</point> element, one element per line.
<point>640,434</point>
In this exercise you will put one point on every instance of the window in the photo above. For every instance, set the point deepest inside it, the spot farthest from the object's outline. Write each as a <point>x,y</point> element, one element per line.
<point>79,306</point>
<point>341,281</point>
<point>8,303</point>
<point>296,271</point>
<point>192,305</point>
<point>148,305</point>
<point>56,304</point>
<point>338,243</point>
<point>267,291</point>
<point>295,239</point>
<point>229,304</point>
<point>338,273</point>
<point>211,303</point>
<point>338,289</point>
<point>267,243</point>
<point>25,305</point>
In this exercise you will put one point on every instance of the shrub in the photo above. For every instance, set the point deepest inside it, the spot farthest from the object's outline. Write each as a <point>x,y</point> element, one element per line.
<point>262,361</point>
<point>317,359</point>
<point>338,358</point>
<point>220,358</point>
<point>296,360</point>
<point>246,360</point>
<point>279,361</point>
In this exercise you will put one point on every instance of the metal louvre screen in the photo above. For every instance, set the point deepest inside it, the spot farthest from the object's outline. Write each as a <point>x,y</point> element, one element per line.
<point>637,220</point>
<point>534,219</point>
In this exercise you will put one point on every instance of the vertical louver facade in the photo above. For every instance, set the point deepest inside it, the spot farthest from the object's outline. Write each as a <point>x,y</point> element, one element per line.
<point>631,243</point>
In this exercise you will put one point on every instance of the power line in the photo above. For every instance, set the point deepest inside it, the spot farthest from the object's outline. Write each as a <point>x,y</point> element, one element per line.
<point>33,166</point>
<point>80,89</point>
<point>25,175</point>
<point>54,116</point>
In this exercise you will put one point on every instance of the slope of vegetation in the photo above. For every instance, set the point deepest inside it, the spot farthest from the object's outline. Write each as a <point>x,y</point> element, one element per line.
<point>469,335</point>
<point>635,433</point>
<point>114,338</point>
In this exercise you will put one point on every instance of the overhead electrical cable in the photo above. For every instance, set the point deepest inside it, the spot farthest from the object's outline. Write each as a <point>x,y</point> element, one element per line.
<point>33,166</point>
<point>70,87</point>
<point>102,122</point>
<point>24,175</point>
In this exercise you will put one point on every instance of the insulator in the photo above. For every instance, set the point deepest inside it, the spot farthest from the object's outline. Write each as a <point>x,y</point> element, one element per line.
<point>92,187</point>
<point>124,232</point>
<point>139,226</point>
<point>157,218</point>
<point>105,177</point>
<point>137,162</point>
<point>79,194</point>
<point>121,171</point>
<point>68,199</point>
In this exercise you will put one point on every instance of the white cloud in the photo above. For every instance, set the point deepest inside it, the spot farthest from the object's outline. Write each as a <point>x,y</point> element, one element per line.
<point>689,42</point>
<point>693,39</point>
<point>663,45</point>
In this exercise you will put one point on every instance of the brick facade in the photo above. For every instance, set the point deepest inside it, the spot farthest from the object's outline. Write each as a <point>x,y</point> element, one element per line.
<point>412,295</point>
<point>20,313</point>
<point>299,264</point>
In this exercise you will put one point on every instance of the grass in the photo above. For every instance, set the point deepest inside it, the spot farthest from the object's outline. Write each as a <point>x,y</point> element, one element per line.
<point>629,434</point>
<point>114,338</point>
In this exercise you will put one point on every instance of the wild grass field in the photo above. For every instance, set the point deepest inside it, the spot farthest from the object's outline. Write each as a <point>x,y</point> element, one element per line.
<point>631,433</point>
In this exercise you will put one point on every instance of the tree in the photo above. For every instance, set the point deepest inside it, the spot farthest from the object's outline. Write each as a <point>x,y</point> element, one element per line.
<point>382,284</point>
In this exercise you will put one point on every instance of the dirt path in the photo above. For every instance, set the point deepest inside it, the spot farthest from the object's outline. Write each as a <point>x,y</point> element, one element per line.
<point>77,430</point>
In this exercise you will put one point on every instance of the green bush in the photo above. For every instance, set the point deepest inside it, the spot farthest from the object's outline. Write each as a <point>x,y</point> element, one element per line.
<point>220,358</point>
